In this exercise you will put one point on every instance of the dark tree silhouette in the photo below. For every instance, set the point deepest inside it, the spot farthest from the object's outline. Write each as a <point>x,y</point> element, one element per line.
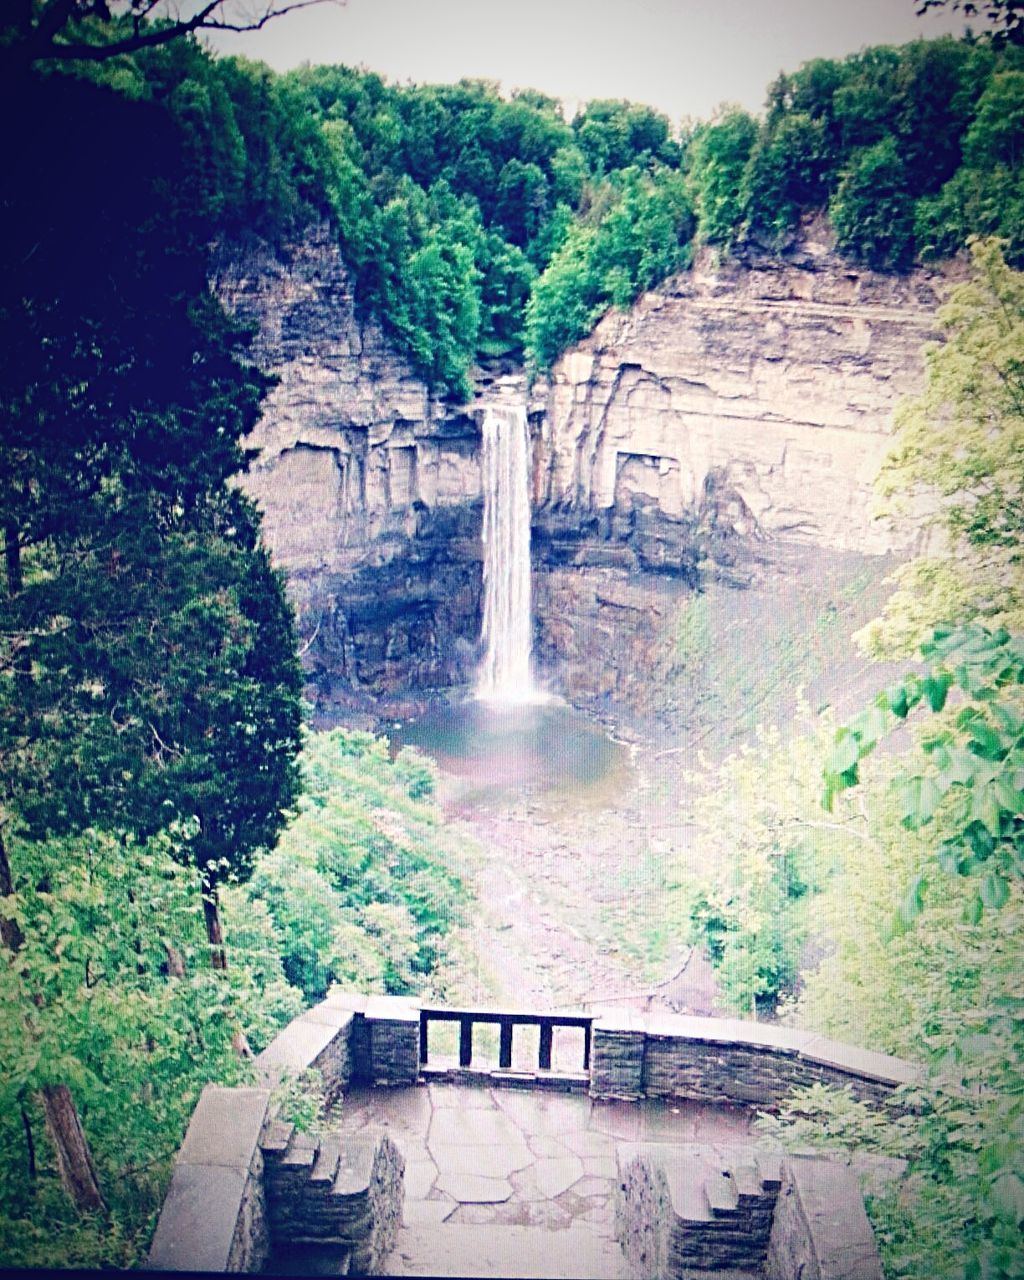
<point>94,30</point>
<point>1006,16</point>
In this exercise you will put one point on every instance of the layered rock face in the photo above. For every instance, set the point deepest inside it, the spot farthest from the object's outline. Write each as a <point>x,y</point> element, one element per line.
<point>370,491</point>
<point>772,382</point>
<point>735,405</point>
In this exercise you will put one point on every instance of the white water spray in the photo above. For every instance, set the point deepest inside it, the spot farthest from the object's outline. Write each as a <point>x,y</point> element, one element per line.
<point>507,624</point>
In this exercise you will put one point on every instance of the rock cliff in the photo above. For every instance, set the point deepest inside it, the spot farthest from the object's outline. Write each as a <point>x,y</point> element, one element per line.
<point>772,381</point>
<point>735,406</point>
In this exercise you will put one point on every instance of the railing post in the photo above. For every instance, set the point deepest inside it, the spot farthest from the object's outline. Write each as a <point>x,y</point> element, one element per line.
<point>465,1041</point>
<point>424,1021</point>
<point>545,1045</point>
<point>505,1048</point>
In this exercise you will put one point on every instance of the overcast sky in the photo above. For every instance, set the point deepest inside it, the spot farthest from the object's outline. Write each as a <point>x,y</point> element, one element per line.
<point>682,56</point>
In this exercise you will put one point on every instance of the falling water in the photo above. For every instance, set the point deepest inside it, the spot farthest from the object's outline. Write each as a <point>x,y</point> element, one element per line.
<point>507,625</point>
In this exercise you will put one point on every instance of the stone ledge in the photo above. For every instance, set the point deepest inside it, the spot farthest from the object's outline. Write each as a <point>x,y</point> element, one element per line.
<point>392,1009</point>
<point>197,1223</point>
<point>297,1047</point>
<point>866,1063</point>
<point>225,1127</point>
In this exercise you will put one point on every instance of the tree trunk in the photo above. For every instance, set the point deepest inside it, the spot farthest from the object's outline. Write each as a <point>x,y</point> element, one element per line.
<point>214,933</point>
<point>30,1144</point>
<point>219,959</point>
<point>74,1159</point>
<point>10,934</point>
<point>175,964</point>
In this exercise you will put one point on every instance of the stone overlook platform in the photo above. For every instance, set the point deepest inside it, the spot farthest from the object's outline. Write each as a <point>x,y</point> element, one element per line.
<point>530,1145</point>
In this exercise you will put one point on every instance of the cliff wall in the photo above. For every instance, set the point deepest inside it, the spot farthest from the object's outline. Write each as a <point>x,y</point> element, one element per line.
<point>736,406</point>
<point>775,380</point>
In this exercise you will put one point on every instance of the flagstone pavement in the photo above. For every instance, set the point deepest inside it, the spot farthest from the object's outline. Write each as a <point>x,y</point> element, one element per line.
<point>538,1164</point>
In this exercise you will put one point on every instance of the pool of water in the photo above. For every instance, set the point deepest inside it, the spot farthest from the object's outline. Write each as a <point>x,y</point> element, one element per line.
<point>546,749</point>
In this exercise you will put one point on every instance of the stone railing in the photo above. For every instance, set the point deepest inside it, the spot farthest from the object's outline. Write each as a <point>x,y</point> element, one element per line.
<point>723,1060</point>
<point>223,1212</point>
<point>506,1022</point>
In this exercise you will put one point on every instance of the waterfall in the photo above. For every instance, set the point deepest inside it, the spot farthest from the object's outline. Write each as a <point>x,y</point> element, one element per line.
<point>507,619</point>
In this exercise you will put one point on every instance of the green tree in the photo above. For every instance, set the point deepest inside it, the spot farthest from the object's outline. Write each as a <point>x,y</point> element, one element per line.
<point>97,30</point>
<point>717,158</point>
<point>871,209</point>
<point>147,668</point>
<point>784,175</point>
<point>1006,16</point>
<point>364,886</point>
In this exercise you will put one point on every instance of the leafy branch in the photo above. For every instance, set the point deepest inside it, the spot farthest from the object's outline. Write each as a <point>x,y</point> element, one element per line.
<point>973,766</point>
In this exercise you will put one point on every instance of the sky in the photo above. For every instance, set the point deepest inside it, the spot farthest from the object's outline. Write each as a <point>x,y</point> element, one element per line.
<point>685,57</point>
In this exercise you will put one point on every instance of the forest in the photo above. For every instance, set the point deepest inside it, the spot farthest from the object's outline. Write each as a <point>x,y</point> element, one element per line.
<point>184,864</point>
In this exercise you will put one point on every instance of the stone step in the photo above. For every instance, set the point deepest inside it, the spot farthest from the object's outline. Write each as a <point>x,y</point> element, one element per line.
<point>510,1252</point>
<point>769,1170</point>
<point>748,1183</point>
<point>721,1193</point>
<point>685,1176</point>
<point>309,1260</point>
<point>301,1151</point>
<point>274,1142</point>
<point>354,1168</point>
<point>325,1169</point>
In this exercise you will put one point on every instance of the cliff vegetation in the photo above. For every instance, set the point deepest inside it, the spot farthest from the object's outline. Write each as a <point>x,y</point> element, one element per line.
<point>478,226</point>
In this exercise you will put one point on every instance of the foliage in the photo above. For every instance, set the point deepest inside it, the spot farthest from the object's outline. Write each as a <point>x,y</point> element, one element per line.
<point>364,883</point>
<point>453,207</point>
<point>973,766</point>
<point>101,30</point>
<point>300,1100</point>
<point>148,668</point>
<point>911,150</point>
<point>957,467</point>
<point>871,210</point>
<point>1005,15</point>
<point>640,235</point>
<point>758,833</point>
<point>940,978</point>
<point>149,686</point>
<point>94,1000</point>
<point>718,156</point>
<point>944,991</point>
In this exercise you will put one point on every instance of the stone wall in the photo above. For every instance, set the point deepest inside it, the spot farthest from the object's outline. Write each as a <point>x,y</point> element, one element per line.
<point>729,1060</point>
<point>244,1181</point>
<point>328,1191</point>
<point>214,1215</point>
<point>734,404</point>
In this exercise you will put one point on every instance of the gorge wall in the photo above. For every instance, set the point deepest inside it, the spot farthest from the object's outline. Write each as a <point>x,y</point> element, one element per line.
<point>737,406</point>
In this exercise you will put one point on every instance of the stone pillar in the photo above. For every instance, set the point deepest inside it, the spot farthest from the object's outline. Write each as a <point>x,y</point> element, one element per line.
<point>820,1230</point>
<point>393,1027</point>
<point>214,1216</point>
<point>617,1054</point>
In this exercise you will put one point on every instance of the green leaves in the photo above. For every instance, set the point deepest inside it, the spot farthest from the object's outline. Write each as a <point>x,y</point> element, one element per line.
<point>974,762</point>
<point>363,886</point>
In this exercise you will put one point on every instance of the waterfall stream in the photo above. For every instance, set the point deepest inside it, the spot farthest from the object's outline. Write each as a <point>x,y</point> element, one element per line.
<point>505,675</point>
